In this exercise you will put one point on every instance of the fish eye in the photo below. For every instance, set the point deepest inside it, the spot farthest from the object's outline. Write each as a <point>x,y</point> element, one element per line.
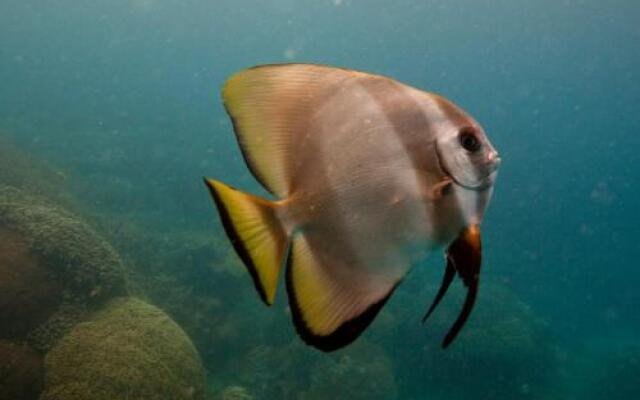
<point>469,141</point>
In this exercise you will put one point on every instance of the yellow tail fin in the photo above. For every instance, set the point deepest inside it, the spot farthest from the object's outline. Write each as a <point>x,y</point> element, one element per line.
<point>256,233</point>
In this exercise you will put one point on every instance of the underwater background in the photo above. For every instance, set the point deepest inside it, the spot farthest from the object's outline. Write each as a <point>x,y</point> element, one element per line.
<point>116,278</point>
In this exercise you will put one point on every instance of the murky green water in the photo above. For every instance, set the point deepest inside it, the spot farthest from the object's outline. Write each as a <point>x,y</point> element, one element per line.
<point>117,280</point>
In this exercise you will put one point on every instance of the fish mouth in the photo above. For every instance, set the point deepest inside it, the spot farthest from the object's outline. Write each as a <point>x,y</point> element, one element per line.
<point>483,185</point>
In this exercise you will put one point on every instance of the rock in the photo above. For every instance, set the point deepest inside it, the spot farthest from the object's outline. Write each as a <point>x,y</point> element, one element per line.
<point>55,269</point>
<point>200,283</point>
<point>361,373</point>
<point>28,292</point>
<point>28,174</point>
<point>20,372</point>
<point>504,351</point>
<point>298,372</point>
<point>236,393</point>
<point>129,349</point>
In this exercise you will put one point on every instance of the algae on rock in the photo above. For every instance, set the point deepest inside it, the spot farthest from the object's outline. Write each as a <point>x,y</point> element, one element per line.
<point>28,292</point>
<point>129,349</point>
<point>295,371</point>
<point>26,173</point>
<point>77,267</point>
<point>236,393</point>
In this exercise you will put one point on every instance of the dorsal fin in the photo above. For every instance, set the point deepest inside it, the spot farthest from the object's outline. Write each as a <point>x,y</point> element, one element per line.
<point>271,106</point>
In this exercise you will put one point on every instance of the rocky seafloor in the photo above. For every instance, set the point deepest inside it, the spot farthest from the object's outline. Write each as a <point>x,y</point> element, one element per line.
<point>71,326</point>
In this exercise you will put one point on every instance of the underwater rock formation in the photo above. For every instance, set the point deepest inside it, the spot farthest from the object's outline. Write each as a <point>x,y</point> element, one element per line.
<point>28,174</point>
<point>505,352</point>
<point>363,373</point>
<point>200,283</point>
<point>28,294</point>
<point>129,349</point>
<point>20,372</point>
<point>235,393</point>
<point>56,268</point>
<point>294,371</point>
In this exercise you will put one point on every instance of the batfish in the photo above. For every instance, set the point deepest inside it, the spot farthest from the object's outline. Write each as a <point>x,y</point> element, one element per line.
<point>368,175</point>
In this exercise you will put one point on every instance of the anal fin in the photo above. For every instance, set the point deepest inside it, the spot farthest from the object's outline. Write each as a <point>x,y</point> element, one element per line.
<point>331,303</point>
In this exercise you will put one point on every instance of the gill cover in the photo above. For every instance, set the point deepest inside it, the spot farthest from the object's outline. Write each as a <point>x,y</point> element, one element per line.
<point>464,257</point>
<point>466,154</point>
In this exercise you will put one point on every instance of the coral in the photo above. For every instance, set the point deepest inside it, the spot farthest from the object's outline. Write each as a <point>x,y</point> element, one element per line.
<point>129,349</point>
<point>298,372</point>
<point>74,265</point>
<point>365,372</point>
<point>28,294</point>
<point>24,172</point>
<point>504,352</point>
<point>92,267</point>
<point>199,282</point>
<point>20,372</point>
<point>235,393</point>
<point>66,316</point>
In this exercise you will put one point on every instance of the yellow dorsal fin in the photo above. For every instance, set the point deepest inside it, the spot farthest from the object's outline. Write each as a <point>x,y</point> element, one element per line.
<point>257,235</point>
<point>270,107</point>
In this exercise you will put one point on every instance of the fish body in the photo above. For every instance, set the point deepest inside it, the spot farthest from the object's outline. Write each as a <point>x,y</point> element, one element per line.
<point>369,173</point>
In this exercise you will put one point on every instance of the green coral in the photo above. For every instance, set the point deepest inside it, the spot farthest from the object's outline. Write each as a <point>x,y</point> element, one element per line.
<point>130,350</point>
<point>180,271</point>
<point>361,373</point>
<point>296,371</point>
<point>86,266</point>
<point>66,316</point>
<point>28,292</point>
<point>62,238</point>
<point>235,393</point>
<point>26,173</point>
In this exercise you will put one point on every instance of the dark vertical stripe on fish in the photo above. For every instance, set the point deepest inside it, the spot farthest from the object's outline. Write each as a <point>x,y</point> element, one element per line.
<point>407,117</point>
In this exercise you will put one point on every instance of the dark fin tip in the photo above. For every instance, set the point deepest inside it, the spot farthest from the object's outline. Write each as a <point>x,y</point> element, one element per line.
<point>449,274</point>
<point>345,334</point>
<point>457,326</point>
<point>237,242</point>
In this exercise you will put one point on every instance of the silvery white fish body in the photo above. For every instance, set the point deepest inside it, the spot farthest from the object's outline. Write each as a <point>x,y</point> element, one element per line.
<point>369,173</point>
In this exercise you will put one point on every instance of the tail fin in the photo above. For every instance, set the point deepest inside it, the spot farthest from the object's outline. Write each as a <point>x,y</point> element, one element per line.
<point>256,233</point>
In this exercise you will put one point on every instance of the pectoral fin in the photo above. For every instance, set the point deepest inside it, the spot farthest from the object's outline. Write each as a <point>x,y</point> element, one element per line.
<point>441,189</point>
<point>464,256</point>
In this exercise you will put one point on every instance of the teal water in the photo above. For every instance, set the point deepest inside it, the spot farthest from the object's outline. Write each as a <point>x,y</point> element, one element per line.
<point>122,99</point>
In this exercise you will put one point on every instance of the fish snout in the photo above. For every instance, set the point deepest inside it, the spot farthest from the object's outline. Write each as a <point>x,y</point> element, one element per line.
<point>493,160</point>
